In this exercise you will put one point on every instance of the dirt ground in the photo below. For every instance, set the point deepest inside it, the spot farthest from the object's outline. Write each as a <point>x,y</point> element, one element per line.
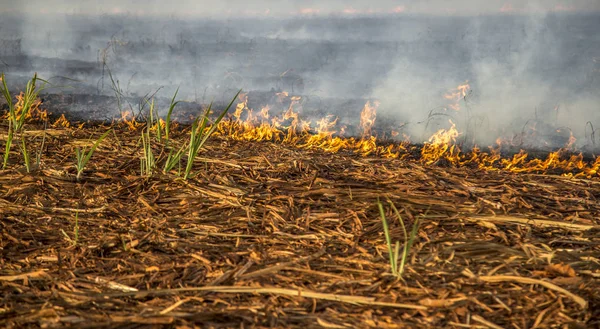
<point>268,235</point>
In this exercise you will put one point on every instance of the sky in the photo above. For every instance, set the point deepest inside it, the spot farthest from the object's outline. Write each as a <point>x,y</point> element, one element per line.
<point>301,7</point>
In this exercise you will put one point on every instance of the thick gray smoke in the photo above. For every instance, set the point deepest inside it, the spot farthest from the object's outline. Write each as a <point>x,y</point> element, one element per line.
<point>526,72</point>
<point>531,65</point>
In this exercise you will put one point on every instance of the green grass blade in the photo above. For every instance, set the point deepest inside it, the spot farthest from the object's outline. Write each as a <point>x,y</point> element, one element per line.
<point>30,96</point>
<point>388,238</point>
<point>94,147</point>
<point>199,136</point>
<point>38,157</point>
<point>221,116</point>
<point>193,146</point>
<point>148,162</point>
<point>78,161</point>
<point>6,93</point>
<point>168,120</point>
<point>406,247</point>
<point>399,270</point>
<point>173,159</point>
<point>399,219</point>
<point>8,145</point>
<point>11,110</point>
<point>83,158</point>
<point>17,121</point>
<point>26,157</point>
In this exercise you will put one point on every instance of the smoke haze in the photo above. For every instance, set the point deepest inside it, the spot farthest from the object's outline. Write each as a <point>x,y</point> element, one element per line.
<point>529,64</point>
<point>267,7</point>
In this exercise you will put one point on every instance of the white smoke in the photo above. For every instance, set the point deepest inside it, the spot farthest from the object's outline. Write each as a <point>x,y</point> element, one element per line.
<point>525,60</point>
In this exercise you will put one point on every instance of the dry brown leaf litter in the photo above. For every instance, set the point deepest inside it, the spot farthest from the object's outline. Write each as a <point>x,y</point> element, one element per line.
<point>271,236</point>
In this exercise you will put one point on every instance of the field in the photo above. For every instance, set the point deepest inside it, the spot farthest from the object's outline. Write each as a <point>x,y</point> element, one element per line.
<point>287,233</point>
<point>349,185</point>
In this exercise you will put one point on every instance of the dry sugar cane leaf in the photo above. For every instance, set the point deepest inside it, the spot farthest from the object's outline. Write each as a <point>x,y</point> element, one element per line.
<point>446,302</point>
<point>561,270</point>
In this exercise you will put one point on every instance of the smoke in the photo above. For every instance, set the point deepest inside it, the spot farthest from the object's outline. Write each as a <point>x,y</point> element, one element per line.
<point>530,65</point>
<point>233,8</point>
<point>526,72</point>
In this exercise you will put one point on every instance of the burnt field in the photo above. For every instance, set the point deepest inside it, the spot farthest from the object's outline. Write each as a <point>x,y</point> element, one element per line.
<point>287,231</point>
<point>357,181</point>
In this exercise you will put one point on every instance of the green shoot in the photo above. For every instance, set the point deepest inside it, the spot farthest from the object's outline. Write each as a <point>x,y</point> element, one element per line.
<point>409,240</point>
<point>388,240</point>
<point>147,163</point>
<point>38,157</point>
<point>11,129</point>
<point>17,116</point>
<point>168,120</point>
<point>196,141</point>
<point>26,157</point>
<point>82,157</point>
<point>199,135</point>
<point>394,253</point>
<point>75,238</point>
<point>154,120</point>
<point>173,159</point>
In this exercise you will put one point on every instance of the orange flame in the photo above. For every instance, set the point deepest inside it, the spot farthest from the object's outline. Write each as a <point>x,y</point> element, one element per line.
<point>441,145</point>
<point>61,122</point>
<point>34,113</point>
<point>290,129</point>
<point>128,119</point>
<point>367,117</point>
<point>457,94</point>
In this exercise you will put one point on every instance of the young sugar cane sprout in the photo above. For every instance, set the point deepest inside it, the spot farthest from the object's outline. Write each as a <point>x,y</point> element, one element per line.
<point>17,114</point>
<point>82,157</point>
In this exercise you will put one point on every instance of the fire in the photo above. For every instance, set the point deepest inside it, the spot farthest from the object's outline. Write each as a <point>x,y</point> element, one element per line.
<point>160,123</point>
<point>520,164</point>
<point>591,170</point>
<point>325,126</point>
<point>290,128</point>
<point>325,134</point>
<point>441,145</point>
<point>571,141</point>
<point>34,113</point>
<point>367,117</point>
<point>128,119</point>
<point>61,122</point>
<point>457,94</point>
